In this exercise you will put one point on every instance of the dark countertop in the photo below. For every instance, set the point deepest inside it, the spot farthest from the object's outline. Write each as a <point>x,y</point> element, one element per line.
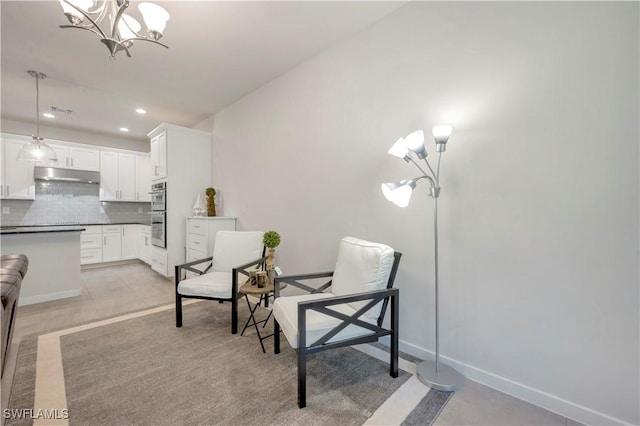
<point>9,230</point>
<point>34,229</point>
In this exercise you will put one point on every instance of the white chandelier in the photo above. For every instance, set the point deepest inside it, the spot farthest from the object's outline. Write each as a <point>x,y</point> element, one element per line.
<point>122,29</point>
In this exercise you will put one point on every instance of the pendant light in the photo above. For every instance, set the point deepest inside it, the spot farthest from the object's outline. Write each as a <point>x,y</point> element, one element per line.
<point>37,149</point>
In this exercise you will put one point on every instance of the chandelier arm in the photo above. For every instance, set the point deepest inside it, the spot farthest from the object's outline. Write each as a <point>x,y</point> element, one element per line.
<point>98,29</point>
<point>81,27</point>
<point>114,27</point>
<point>145,39</point>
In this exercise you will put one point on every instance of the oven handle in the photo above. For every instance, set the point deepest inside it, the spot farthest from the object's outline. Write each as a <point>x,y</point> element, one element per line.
<point>157,212</point>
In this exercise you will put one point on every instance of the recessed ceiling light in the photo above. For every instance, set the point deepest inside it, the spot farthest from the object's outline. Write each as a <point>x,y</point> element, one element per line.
<point>124,129</point>
<point>48,115</point>
<point>141,111</point>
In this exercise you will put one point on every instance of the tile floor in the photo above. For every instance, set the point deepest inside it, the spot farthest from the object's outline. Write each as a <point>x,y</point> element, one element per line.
<point>115,290</point>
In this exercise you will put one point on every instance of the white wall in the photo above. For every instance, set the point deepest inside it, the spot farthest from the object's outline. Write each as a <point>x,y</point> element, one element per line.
<point>540,202</point>
<point>69,135</point>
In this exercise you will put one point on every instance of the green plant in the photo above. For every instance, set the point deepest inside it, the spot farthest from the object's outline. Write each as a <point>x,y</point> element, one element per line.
<point>211,203</point>
<point>271,239</point>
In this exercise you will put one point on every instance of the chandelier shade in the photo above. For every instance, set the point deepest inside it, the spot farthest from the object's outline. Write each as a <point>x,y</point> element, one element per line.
<point>37,150</point>
<point>121,29</point>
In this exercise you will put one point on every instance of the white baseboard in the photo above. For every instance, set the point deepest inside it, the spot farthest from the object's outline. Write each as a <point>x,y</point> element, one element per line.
<point>31,300</point>
<point>526,393</point>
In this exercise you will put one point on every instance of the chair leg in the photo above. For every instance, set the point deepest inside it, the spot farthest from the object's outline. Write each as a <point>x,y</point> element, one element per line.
<point>302,378</point>
<point>393,362</point>
<point>178,310</point>
<point>276,336</point>
<point>234,315</point>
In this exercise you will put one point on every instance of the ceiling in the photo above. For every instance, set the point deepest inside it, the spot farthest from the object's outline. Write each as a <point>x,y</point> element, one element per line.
<point>218,52</point>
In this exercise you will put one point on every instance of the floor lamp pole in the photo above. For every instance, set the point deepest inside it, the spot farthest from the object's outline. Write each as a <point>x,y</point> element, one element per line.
<point>434,374</point>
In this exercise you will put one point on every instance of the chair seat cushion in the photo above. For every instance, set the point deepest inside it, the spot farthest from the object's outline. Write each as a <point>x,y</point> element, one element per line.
<point>285,310</point>
<point>213,284</point>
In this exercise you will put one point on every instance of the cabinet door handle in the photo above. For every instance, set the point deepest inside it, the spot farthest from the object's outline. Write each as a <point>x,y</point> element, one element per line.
<point>155,170</point>
<point>72,162</point>
<point>105,240</point>
<point>2,191</point>
<point>66,160</point>
<point>123,231</point>
<point>8,191</point>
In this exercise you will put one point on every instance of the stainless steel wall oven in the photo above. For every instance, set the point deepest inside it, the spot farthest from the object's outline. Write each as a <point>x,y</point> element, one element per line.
<point>159,214</point>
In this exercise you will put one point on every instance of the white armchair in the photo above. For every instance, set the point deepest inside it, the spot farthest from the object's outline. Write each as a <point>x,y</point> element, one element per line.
<point>351,313</point>
<point>234,253</point>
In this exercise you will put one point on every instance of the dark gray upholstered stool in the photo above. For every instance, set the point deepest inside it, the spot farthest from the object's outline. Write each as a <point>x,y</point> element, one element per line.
<point>13,268</point>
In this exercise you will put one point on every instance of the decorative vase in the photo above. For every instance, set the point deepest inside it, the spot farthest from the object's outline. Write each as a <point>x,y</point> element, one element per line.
<point>198,209</point>
<point>211,206</point>
<point>271,255</point>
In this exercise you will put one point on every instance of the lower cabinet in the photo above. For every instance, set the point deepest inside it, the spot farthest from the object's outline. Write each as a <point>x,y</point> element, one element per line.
<point>129,241</point>
<point>110,243</point>
<point>91,245</point>
<point>144,243</point>
<point>160,260</point>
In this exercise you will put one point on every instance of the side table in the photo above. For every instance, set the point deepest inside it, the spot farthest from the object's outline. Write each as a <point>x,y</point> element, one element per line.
<point>264,293</point>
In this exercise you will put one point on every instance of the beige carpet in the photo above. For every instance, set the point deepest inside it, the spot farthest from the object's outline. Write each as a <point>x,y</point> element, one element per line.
<point>146,371</point>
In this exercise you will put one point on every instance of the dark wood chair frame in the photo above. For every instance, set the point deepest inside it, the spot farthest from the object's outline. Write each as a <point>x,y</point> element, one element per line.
<point>377,331</point>
<point>235,272</point>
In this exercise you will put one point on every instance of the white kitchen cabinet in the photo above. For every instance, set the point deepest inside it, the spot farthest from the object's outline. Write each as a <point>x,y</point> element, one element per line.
<point>159,156</point>
<point>143,178</point>
<point>117,176</point>
<point>76,157</point>
<point>159,261</point>
<point>16,177</point>
<point>111,243</point>
<point>129,242</point>
<point>185,163</point>
<point>144,243</point>
<point>91,245</point>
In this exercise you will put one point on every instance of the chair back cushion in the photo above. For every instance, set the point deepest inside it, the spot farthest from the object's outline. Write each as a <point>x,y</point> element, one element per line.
<point>362,266</point>
<point>235,248</point>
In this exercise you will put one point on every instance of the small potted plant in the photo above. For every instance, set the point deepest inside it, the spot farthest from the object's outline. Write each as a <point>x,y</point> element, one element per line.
<point>271,240</point>
<point>211,203</point>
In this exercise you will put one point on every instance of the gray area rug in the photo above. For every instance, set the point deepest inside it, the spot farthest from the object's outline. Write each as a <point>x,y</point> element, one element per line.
<point>145,371</point>
<point>427,411</point>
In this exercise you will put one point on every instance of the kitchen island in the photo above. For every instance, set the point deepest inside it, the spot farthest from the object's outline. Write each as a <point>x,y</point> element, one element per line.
<point>54,260</point>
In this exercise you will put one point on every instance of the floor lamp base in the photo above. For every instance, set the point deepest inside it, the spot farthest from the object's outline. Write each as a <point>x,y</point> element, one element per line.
<point>446,380</point>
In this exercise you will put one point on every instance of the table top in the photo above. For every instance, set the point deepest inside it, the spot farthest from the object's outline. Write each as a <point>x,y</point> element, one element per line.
<point>248,288</point>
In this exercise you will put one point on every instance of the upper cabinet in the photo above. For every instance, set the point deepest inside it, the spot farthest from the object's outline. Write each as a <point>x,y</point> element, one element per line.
<point>77,157</point>
<point>143,178</point>
<point>16,177</point>
<point>159,156</point>
<point>124,176</point>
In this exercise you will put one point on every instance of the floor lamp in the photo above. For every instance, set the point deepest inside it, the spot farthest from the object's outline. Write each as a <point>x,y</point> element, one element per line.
<point>432,373</point>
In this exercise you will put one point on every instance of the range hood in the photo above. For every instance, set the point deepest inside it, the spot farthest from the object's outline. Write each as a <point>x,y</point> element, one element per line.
<point>69,175</point>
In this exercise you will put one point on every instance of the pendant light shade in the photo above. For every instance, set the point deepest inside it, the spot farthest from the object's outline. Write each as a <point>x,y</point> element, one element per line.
<point>37,149</point>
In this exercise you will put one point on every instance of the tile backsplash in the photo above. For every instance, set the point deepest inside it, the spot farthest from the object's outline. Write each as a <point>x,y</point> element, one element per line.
<point>70,202</point>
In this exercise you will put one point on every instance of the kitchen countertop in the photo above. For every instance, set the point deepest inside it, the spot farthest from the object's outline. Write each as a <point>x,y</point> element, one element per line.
<point>33,229</point>
<point>9,230</point>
